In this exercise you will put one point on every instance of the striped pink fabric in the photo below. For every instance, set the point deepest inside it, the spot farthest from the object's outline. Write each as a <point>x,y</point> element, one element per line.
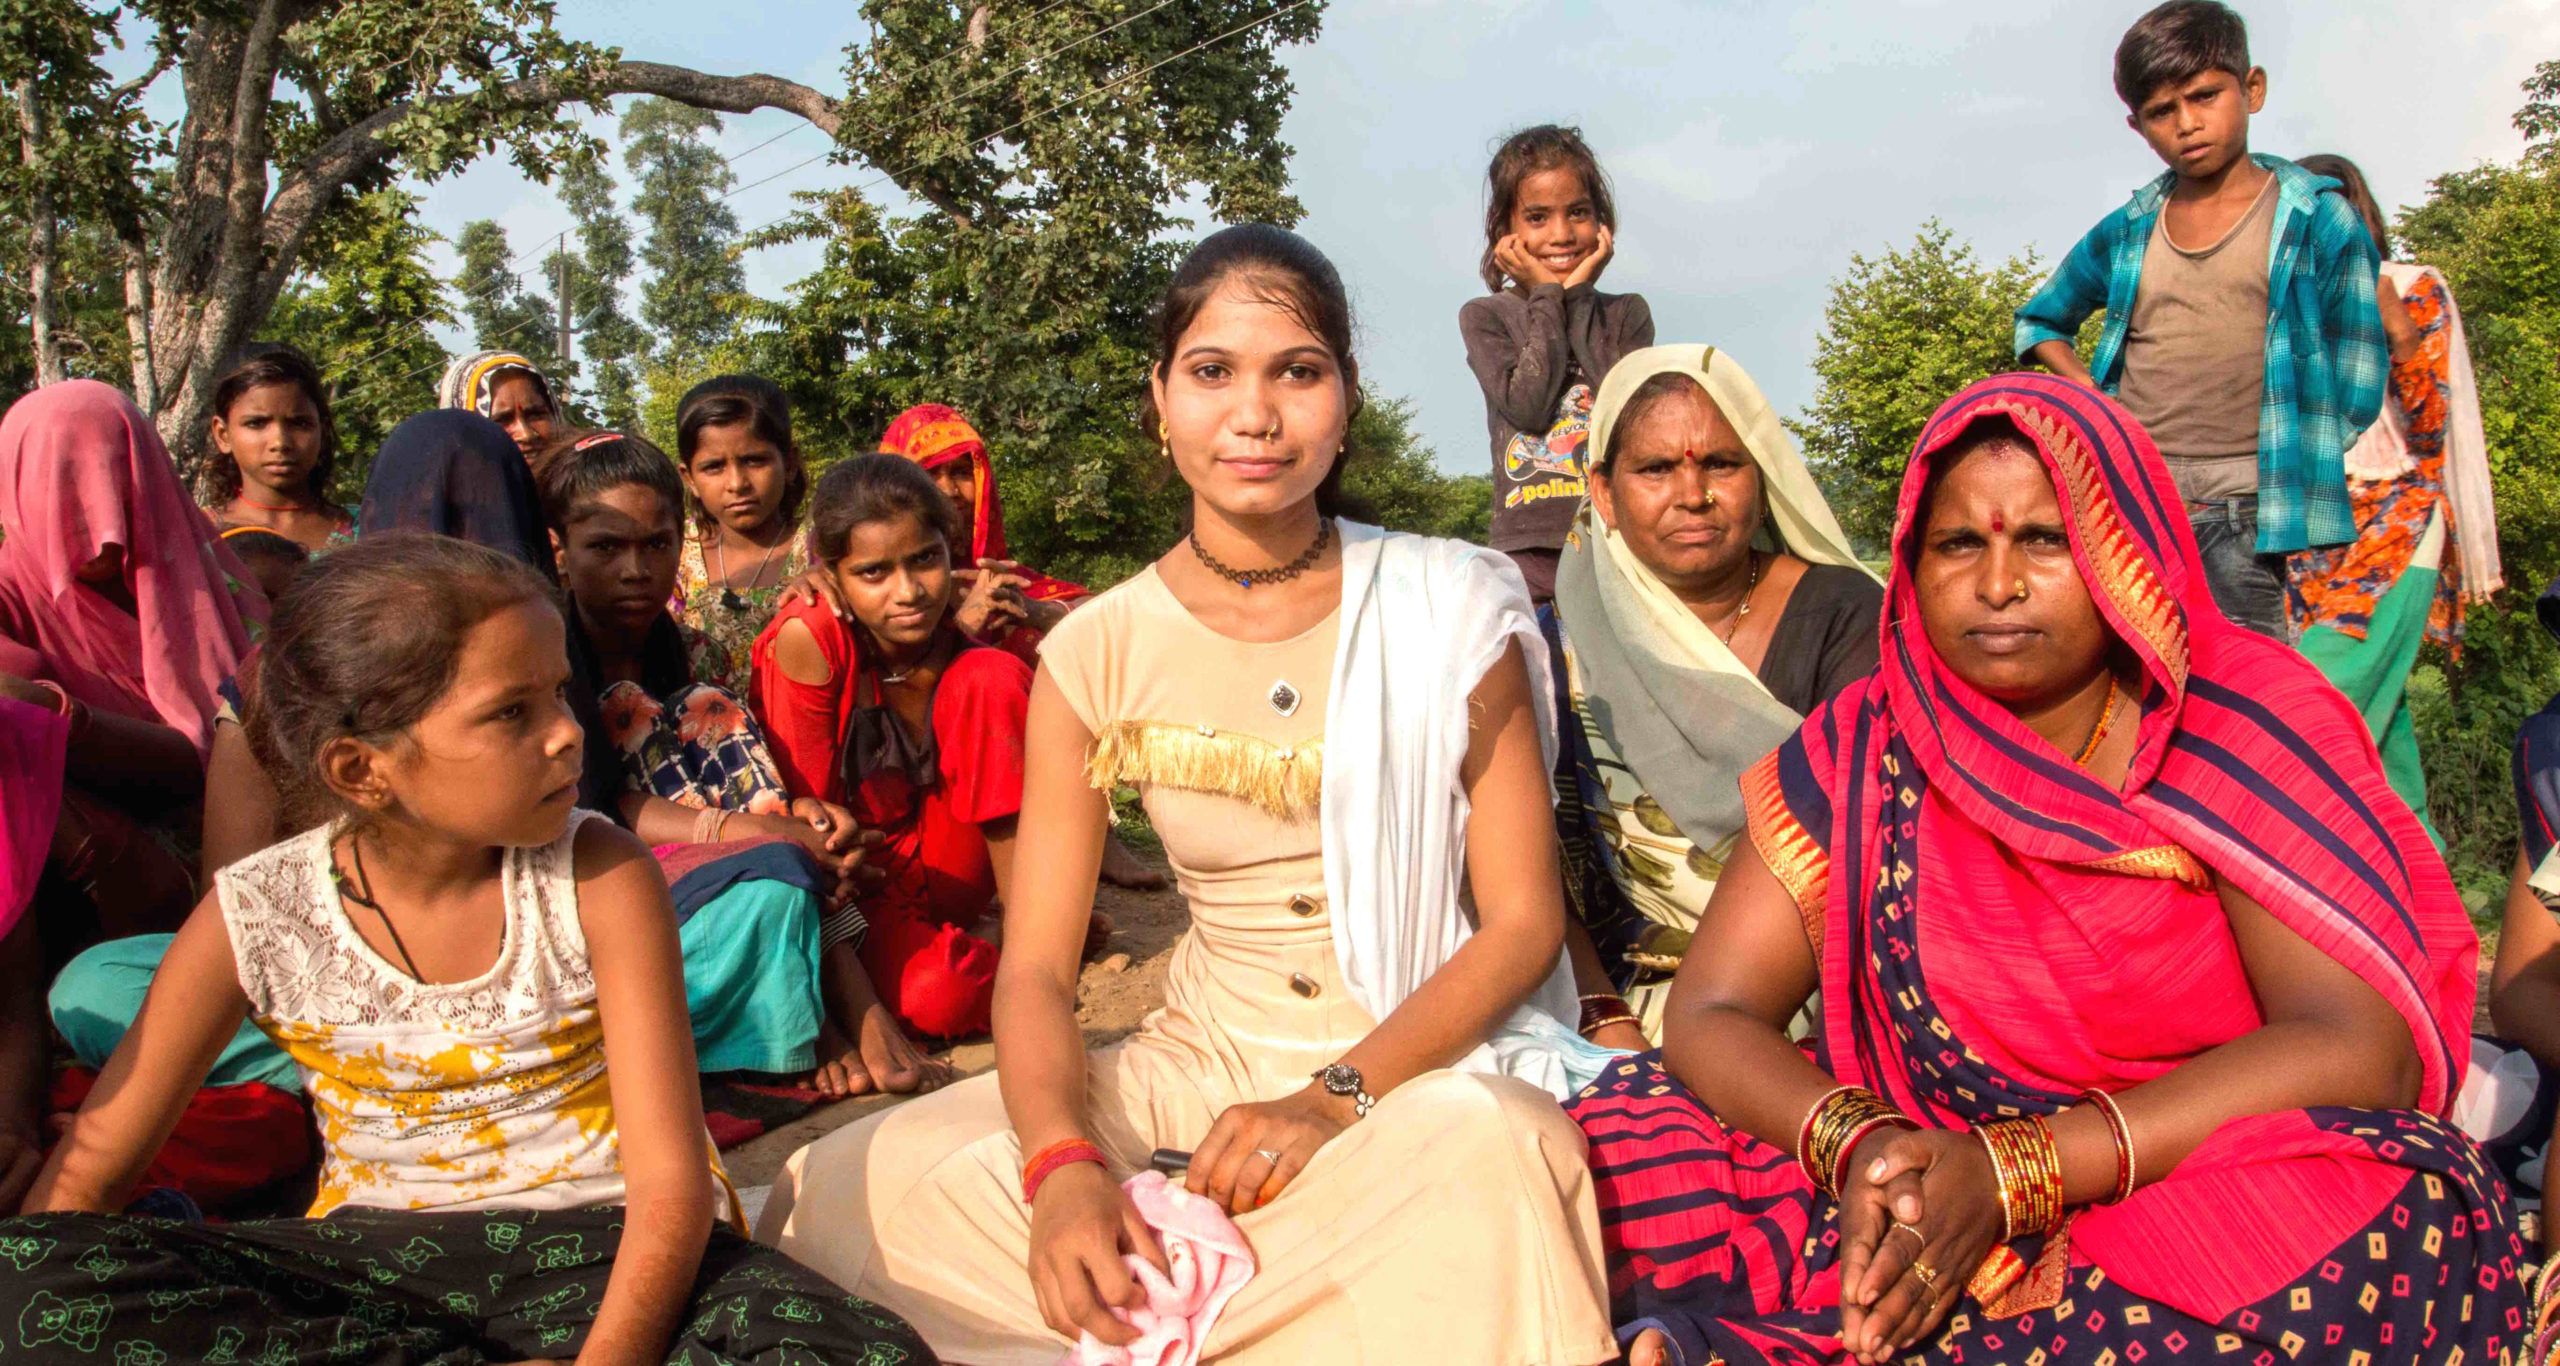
<point>1945,826</point>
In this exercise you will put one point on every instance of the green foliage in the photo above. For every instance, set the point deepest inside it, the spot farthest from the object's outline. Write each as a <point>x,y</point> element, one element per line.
<point>1054,169</point>
<point>694,276</point>
<point>610,341</point>
<point>505,313</point>
<point>1900,333</point>
<point>362,310</point>
<point>88,317</point>
<point>1394,481</point>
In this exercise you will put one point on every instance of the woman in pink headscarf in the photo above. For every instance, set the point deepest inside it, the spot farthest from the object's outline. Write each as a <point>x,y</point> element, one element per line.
<point>121,613</point>
<point>119,617</point>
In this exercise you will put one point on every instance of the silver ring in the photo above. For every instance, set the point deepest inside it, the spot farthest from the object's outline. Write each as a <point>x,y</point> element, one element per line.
<point>1267,1155</point>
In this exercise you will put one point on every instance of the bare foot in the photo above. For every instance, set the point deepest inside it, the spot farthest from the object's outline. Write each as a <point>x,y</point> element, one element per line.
<point>1097,935</point>
<point>840,1072</point>
<point>895,1062</point>
<point>1651,1349</point>
<point>1122,868</point>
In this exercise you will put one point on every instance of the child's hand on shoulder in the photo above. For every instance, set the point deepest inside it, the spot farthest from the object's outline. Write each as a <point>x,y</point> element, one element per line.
<point>1589,268</point>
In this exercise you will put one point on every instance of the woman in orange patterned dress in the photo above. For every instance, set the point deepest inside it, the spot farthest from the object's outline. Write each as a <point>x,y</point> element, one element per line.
<point>2427,533</point>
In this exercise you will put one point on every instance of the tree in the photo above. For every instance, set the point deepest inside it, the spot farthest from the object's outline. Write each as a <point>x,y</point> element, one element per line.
<point>291,106</point>
<point>1396,481</point>
<point>362,309</point>
<point>1900,333</point>
<point>505,313</point>
<point>78,132</point>
<point>694,274</point>
<point>611,342</point>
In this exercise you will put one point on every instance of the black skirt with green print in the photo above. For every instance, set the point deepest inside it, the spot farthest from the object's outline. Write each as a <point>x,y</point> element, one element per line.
<point>386,1286</point>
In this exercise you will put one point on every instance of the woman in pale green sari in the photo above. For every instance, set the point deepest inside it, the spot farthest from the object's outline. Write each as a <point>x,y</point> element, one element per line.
<point>1707,599</point>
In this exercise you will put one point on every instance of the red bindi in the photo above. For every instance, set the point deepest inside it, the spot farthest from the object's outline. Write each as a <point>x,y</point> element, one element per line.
<point>1997,525</point>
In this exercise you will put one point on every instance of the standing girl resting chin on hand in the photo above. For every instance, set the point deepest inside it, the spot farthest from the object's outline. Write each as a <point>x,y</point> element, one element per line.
<point>1541,341</point>
<point>446,957</point>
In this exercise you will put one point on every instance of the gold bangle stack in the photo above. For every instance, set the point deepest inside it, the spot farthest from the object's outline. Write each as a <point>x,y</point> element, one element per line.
<point>1833,1128</point>
<point>2029,1168</point>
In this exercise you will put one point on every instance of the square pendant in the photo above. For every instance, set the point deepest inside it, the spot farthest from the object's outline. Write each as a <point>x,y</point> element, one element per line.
<point>1284,698</point>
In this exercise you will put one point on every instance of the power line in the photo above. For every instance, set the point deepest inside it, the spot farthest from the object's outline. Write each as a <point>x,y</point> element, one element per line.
<point>889,177</point>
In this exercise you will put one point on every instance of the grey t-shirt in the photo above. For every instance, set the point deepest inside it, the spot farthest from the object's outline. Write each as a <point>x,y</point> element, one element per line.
<point>2195,353</point>
<point>1540,354</point>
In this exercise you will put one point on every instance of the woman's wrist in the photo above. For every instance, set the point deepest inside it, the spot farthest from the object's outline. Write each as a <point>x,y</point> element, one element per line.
<point>1054,1158</point>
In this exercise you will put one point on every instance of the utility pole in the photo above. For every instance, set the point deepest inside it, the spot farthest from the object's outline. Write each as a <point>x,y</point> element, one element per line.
<point>564,308</point>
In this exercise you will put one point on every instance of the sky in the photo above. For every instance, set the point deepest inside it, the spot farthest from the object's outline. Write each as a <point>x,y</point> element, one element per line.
<point>1754,148</point>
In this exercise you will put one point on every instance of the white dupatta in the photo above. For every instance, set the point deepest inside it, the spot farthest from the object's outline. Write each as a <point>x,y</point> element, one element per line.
<point>1422,621</point>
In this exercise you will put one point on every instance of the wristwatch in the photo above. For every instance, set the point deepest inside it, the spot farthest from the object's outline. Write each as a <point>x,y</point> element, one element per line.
<point>1343,1079</point>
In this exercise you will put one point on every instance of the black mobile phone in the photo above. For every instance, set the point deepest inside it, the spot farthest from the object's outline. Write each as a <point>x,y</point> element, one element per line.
<point>1170,1161</point>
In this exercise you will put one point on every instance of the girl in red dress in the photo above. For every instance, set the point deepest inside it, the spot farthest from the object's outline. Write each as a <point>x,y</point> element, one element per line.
<point>916,729</point>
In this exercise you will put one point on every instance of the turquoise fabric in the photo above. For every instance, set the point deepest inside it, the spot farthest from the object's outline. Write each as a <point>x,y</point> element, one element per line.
<point>98,995</point>
<point>750,983</point>
<point>751,978</point>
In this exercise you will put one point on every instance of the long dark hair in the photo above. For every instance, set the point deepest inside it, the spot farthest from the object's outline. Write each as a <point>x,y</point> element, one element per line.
<point>1547,147</point>
<point>1284,270</point>
<point>760,405</point>
<point>2359,194</point>
<point>258,365</point>
<point>363,644</point>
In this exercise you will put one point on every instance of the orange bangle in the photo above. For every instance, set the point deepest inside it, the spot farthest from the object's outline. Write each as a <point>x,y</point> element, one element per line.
<point>1066,1152</point>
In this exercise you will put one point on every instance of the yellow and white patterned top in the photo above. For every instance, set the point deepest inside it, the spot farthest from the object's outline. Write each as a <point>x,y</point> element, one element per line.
<point>448,1095</point>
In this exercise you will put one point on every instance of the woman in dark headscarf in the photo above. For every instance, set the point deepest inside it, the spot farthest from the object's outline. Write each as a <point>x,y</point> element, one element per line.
<point>457,474</point>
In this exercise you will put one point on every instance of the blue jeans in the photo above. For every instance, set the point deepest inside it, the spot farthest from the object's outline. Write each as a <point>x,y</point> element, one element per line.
<point>2247,586</point>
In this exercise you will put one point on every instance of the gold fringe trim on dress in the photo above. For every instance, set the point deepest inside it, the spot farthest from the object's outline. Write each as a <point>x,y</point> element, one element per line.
<point>1284,780</point>
<point>2167,861</point>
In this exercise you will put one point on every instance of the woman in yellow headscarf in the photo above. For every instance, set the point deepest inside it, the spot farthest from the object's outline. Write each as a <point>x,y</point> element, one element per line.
<point>1706,600</point>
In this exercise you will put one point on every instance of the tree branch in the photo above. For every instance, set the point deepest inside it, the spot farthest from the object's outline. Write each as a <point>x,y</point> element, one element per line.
<point>365,144</point>
<point>165,56</point>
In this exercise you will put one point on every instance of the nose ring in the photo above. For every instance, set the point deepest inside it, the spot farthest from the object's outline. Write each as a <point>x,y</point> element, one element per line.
<point>2021,594</point>
<point>1273,434</point>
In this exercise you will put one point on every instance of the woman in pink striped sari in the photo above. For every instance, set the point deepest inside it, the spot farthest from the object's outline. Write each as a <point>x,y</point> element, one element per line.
<point>2084,874</point>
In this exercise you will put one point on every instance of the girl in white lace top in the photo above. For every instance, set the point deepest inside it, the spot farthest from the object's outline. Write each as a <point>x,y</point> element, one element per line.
<point>449,957</point>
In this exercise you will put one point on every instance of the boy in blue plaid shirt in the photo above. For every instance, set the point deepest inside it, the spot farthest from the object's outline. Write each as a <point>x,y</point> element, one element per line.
<point>2241,329</point>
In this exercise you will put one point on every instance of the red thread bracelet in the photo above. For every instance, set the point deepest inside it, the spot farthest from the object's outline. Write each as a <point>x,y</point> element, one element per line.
<point>1066,1152</point>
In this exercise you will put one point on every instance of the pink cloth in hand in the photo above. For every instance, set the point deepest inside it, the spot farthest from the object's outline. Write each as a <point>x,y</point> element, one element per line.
<point>1210,1263</point>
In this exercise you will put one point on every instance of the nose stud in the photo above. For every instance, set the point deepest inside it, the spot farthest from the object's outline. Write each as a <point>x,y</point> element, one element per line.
<point>2021,594</point>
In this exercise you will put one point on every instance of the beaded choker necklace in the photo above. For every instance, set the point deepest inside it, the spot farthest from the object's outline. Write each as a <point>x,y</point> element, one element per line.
<point>1247,578</point>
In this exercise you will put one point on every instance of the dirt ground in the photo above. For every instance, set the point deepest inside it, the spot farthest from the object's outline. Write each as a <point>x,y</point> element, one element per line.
<point>1113,995</point>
